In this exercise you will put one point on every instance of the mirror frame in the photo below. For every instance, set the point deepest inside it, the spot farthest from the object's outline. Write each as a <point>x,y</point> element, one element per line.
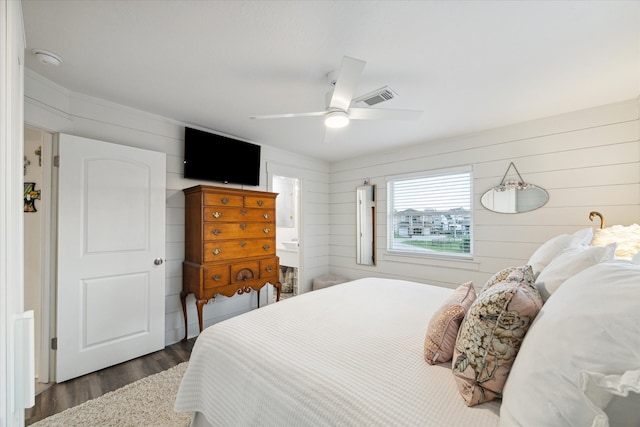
<point>366,225</point>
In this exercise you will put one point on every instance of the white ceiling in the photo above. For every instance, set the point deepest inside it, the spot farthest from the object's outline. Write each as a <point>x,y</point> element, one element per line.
<point>469,65</point>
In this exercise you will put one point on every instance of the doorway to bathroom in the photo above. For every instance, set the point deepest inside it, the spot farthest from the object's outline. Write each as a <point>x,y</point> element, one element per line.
<point>288,236</point>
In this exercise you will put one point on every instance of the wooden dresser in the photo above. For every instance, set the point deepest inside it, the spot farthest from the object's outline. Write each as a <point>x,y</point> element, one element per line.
<point>230,244</point>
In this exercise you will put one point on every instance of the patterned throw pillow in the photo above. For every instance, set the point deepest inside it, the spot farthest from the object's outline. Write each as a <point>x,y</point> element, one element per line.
<point>510,274</point>
<point>490,337</point>
<point>444,324</point>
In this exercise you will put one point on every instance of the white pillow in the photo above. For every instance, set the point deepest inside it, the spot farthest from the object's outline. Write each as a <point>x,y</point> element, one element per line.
<point>570,262</point>
<point>591,326</point>
<point>554,246</point>
<point>614,398</point>
<point>627,238</point>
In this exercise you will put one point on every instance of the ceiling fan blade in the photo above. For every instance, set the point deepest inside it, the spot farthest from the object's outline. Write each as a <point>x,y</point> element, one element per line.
<point>346,83</point>
<point>382,114</point>
<point>289,115</point>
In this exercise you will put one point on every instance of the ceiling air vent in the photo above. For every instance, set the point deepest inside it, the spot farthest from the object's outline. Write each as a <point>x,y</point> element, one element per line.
<point>375,97</point>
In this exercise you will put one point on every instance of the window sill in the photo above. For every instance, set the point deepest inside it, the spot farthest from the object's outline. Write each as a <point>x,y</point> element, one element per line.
<point>447,261</point>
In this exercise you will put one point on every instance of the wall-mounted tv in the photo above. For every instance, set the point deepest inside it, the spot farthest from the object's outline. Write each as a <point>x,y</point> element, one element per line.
<point>211,157</point>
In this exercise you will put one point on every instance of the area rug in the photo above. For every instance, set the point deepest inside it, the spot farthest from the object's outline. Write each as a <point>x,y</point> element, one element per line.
<point>146,402</point>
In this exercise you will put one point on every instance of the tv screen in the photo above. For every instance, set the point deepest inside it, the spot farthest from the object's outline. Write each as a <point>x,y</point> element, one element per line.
<point>211,157</point>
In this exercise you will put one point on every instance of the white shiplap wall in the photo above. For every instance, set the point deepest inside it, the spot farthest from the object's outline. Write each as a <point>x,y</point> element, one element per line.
<point>55,109</point>
<point>586,160</point>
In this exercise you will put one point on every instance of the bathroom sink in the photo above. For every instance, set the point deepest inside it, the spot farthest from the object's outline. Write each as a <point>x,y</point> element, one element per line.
<point>290,245</point>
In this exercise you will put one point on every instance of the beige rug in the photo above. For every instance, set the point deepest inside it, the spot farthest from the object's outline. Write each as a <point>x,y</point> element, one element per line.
<point>146,402</point>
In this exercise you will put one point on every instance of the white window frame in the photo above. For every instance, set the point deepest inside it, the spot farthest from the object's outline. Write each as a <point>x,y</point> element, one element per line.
<point>405,251</point>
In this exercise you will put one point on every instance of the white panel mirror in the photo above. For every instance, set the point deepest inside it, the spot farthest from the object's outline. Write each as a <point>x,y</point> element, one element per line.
<point>365,225</point>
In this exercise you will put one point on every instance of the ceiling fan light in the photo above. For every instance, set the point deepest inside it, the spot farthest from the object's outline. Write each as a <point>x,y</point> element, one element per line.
<point>336,119</point>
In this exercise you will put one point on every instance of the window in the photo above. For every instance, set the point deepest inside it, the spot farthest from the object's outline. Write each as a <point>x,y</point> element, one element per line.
<point>430,213</point>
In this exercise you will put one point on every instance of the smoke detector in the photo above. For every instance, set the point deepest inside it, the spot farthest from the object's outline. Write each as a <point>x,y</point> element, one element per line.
<point>46,57</point>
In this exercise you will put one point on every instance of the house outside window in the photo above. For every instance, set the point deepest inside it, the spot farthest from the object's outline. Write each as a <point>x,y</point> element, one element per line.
<point>430,213</point>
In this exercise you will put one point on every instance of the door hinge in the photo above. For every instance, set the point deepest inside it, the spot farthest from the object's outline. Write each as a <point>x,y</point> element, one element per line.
<point>56,161</point>
<point>54,343</point>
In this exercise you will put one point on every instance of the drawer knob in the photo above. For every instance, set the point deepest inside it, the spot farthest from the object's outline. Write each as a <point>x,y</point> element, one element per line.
<point>243,244</point>
<point>216,251</point>
<point>269,269</point>
<point>216,277</point>
<point>265,216</point>
<point>243,226</point>
<point>266,230</point>
<point>224,200</point>
<point>217,214</point>
<point>243,211</point>
<point>260,203</point>
<point>265,247</point>
<point>216,232</point>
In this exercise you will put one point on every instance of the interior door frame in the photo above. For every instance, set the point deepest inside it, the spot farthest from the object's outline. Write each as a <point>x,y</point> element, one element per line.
<point>50,255</point>
<point>46,368</point>
<point>290,172</point>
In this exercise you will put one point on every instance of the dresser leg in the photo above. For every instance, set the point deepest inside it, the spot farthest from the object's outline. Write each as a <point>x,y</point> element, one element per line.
<point>199,304</point>
<point>278,287</point>
<point>183,301</point>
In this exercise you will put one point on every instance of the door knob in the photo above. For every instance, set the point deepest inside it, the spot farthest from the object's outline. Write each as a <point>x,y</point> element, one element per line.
<point>158,261</point>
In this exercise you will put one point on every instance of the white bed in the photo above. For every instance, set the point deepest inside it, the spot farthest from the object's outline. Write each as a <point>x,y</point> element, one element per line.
<point>347,355</point>
<point>554,342</point>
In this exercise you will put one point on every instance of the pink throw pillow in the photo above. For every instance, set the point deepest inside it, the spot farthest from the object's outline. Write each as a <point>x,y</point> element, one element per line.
<point>444,324</point>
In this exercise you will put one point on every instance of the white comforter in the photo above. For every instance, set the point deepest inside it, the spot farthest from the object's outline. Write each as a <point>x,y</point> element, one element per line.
<point>347,355</point>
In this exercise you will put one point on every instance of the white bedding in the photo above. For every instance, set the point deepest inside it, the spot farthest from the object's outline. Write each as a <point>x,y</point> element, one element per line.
<point>347,355</point>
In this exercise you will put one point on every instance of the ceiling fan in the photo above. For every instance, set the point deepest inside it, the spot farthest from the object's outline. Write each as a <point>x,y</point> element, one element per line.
<point>339,109</point>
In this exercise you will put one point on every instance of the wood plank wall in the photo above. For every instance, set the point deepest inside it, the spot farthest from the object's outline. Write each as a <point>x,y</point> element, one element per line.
<point>53,108</point>
<point>586,160</point>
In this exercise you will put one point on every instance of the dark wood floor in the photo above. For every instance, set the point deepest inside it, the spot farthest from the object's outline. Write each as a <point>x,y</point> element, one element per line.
<point>70,393</point>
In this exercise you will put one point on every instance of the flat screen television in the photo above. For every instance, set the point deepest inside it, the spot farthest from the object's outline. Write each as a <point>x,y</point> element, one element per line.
<point>211,157</point>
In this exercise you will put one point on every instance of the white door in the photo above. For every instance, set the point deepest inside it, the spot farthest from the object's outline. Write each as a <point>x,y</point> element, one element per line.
<point>111,238</point>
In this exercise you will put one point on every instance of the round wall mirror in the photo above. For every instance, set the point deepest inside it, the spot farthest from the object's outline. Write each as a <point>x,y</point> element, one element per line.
<point>514,200</point>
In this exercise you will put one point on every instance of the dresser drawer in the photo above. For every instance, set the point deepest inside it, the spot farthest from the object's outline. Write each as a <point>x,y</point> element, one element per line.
<point>259,202</point>
<point>216,276</point>
<point>219,199</point>
<point>268,267</point>
<point>232,249</point>
<point>225,214</point>
<point>245,271</point>
<point>225,231</point>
